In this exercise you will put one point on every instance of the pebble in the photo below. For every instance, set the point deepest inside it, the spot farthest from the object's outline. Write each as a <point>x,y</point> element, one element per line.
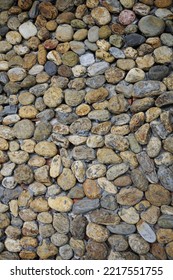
<point>27,30</point>
<point>157,195</point>
<point>129,215</point>
<point>85,205</point>
<point>146,232</point>
<point>60,204</point>
<point>129,197</point>
<point>138,244</point>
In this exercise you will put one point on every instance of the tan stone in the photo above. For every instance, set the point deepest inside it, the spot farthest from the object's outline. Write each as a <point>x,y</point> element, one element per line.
<point>39,205</point>
<point>129,215</point>
<point>46,250</point>
<point>41,55</point>
<point>169,249</point>
<point>3,144</point>
<point>142,134</point>
<point>66,180</point>
<point>157,195</point>
<point>123,181</point>
<point>130,157</point>
<point>96,95</point>
<point>164,235</point>
<point>46,149</point>
<point>55,167</point>
<point>28,112</point>
<point>129,197</point>
<point>37,161</point>
<point>60,203</point>
<point>97,232</point>
<point>151,215</point>
<point>83,109</point>
<point>91,189</point>
<point>53,97</point>
<point>152,114</point>
<point>101,15</point>
<point>145,62</point>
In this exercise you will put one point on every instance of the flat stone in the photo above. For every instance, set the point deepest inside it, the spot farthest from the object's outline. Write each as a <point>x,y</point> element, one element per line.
<point>122,228</point>
<point>148,167</point>
<point>146,232</point>
<point>166,177</point>
<point>97,232</point>
<point>138,244</point>
<point>165,98</point>
<point>78,227</point>
<point>165,221</point>
<point>129,215</point>
<point>139,180</point>
<point>96,250</point>
<point>47,149</point>
<point>86,59</point>
<point>27,30</point>
<point>101,15</point>
<point>97,68</point>
<point>163,55</point>
<point>117,170</point>
<point>116,142</point>
<point>118,242</point>
<point>91,189</point>
<point>157,195</point>
<point>154,147</point>
<point>85,205</point>
<point>61,203</point>
<point>23,129</point>
<point>46,250</point>
<point>129,197</point>
<point>134,40</point>
<point>151,26</point>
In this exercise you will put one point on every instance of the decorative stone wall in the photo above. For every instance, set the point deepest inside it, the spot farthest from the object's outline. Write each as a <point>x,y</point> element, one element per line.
<point>86,134</point>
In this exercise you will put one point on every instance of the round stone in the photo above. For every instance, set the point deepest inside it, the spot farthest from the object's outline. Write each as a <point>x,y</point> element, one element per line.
<point>158,72</point>
<point>163,4</point>
<point>138,244</point>
<point>126,17</point>
<point>13,37</point>
<point>23,174</point>
<point>163,55</point>
<point>27,30</point>
<point>101,15</point>
<point>23,129</point>
<point>46,149</point>
<point>151,26</point>
<point>53,97</point>
<point>60,203</point>
<point>64,33</point>
<point>97,232</point>
<point>50,68</point>
<point>157,195</point>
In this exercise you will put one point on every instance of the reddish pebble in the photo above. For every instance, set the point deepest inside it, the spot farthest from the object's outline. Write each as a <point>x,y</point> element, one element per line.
<point>126,17</point>
<point>50,44</point>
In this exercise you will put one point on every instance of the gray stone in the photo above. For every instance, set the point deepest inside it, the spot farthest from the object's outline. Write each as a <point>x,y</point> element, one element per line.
<point>96,81</point>
<point>148,167</point>
<point>165,221</point>
<point>116,52</point>
<point>158,72</point>
<point>165,98</point>
<point>147,88</point>
<point>93,34</point>
<point>118,243</point>
<point>139,179</point>
<point>151,26</point>
<point>158,129</point>
<point>134,40</point>
<point>167,39</point>
<point>66,252</point>
<point>165,176</point>
<point>59,239</point>
<point>146,232</point>
<point>61,223</point>
<point>108,202</point>
<point>117,170</point>
<point>85,205</point>
<point>123,228</point>
<point>98,68</point>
